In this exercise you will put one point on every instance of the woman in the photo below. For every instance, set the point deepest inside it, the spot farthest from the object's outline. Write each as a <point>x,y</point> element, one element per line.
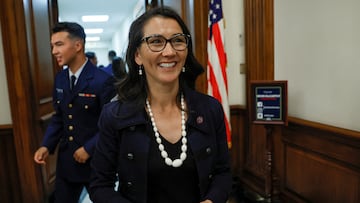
<point>163,141</point>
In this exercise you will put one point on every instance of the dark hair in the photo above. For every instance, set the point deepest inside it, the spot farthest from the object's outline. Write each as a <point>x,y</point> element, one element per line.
<point>74,29</point>
<point>134,87</point>
<point>90,54</point>
<point>111,54</point>
<point>118,68</point>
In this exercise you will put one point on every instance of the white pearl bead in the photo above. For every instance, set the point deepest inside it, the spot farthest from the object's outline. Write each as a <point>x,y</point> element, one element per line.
<point>161,147</point>
<point>158,140</point>
<point>177,163</point>
<point>168,161</point>
<point>164,154</point>
<point>183,148</point>
<point>183,156</point>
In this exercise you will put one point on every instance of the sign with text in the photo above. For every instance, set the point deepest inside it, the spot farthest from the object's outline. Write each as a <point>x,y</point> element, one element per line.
<point>269,102</point>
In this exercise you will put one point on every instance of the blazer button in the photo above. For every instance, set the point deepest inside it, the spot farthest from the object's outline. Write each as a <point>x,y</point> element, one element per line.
<point>130,156</point>
<point>71,138</point>
<point>70,105</point>
<point>129,184</point>
<point>86,106</point>
<point>208,150</point>
<point>58,101</point>
<point>71,127</point>
<point>132,128</point>
<point>210,176</point>
<point>70,116</point>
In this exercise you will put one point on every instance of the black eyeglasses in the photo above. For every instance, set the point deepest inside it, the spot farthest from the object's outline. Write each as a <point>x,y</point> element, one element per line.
<point>157,43</point>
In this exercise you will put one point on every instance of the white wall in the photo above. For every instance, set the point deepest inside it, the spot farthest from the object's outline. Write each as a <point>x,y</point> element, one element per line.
<point>317,49</point>
<point>101,54</point>
<point>233,11</point>
<point>120,39</point>
<point>5,115</point>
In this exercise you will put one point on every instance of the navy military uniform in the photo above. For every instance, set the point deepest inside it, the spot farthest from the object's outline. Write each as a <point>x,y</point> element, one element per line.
<point>74,123</point>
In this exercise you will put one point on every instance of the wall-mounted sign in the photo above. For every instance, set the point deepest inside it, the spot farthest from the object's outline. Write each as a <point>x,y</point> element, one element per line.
<point>269,102</point>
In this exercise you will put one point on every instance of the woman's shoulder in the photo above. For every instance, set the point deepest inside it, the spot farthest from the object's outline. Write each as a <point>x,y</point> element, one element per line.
<point>199,98</point>
<point>117,109</point>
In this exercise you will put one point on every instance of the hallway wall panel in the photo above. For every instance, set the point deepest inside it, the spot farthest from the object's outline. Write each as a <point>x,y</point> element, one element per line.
<point>321,163</point>
<point>9,181</point>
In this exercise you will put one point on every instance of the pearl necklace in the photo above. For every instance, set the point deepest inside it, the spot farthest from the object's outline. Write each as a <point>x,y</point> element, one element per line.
<point>177,162</point>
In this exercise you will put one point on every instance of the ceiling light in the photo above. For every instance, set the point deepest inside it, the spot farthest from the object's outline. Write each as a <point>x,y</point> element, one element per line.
<point>94,31</point>
<point>97,45</point>
<point>92,39</point>
<point>95,18</point>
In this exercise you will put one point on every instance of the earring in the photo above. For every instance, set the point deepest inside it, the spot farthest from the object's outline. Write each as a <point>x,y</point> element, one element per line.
<point>140,70</point>
<point>183,69</point>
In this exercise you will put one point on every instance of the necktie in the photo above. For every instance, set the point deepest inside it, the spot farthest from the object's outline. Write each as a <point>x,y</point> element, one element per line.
<point>73,79</point>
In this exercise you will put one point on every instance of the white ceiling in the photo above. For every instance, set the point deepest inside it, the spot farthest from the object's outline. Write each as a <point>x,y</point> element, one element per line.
<point>72,10</point>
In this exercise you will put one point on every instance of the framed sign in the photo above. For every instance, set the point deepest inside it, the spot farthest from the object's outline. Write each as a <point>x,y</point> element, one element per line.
<point>268,102</point>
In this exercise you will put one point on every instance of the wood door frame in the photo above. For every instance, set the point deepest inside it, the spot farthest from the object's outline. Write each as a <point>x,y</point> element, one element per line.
<point>259,57</point>
<point>17,41</point>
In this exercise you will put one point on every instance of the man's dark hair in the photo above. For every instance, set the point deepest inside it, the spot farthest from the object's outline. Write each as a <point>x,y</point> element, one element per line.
<point>74,29</point>
<point>112,54</point>
<point>90,54</point>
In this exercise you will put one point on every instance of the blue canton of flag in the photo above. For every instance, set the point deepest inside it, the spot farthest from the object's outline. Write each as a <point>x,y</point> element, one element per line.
<point>215,14</point>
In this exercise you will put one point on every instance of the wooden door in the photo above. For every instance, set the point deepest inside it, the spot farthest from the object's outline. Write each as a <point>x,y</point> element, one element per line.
<point>30,72</point>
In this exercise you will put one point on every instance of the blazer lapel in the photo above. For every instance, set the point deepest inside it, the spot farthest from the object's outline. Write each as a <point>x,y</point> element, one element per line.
<point>84,79</point>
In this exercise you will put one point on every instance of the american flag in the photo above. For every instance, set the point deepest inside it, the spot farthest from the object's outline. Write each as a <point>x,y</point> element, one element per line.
<point>216,66</point>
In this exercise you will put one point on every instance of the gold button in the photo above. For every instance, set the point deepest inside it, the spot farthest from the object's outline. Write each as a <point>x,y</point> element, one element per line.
<point>70,105</point>
<point>86,106</point>
<point>70,116</point>
<point>71,138</point>
<point>71,127</point>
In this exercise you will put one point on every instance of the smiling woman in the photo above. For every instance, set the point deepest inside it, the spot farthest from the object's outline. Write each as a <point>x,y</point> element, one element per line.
<point>106,23</point>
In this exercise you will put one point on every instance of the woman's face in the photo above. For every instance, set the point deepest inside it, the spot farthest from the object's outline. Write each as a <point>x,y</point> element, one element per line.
<point>163,67</point>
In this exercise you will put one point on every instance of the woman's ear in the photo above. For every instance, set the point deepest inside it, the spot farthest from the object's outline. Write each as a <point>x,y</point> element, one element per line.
<point>138,58</point>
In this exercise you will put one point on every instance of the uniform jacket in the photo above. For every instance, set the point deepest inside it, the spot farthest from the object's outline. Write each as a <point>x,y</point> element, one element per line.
<point>124,144</point>
<point>74,123</point>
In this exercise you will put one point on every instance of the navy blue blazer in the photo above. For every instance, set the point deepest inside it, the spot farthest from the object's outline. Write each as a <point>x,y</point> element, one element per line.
<point>123,148</point>
<point>74,123</point>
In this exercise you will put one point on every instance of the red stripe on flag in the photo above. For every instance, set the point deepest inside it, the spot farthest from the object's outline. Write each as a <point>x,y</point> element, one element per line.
<point>213,83</point>
<point>228,131</point>
<point>217,95</point>
<point>221,51</point>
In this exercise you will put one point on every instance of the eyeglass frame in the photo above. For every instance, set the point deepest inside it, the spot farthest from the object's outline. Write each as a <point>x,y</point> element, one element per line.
<point>187,37</point>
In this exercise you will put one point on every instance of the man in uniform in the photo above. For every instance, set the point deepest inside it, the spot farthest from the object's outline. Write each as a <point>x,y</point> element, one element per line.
<point>80,91</point>
<point>92,57</point>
